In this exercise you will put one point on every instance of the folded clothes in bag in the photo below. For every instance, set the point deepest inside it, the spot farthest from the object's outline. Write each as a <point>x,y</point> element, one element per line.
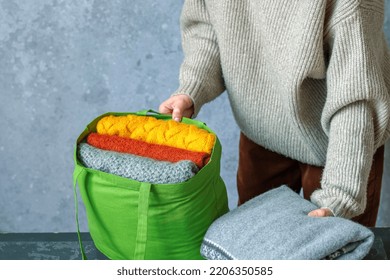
<point>141,148</point>
<point>275,225</point>
<point>135,167</point>
<point>156,131</point>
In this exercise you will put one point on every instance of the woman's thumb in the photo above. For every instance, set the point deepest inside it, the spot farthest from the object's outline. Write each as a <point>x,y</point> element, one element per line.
<point>177,114</point>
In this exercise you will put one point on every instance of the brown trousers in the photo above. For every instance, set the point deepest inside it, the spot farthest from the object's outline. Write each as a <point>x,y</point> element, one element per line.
<point>260,170</point>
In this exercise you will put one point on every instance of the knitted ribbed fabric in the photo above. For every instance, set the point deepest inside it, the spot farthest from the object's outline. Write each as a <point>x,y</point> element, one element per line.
<point>155,131</point>
<point>275,226</point>
<point>141,148</point>
<point>135,167</point>
<point>307,79</point>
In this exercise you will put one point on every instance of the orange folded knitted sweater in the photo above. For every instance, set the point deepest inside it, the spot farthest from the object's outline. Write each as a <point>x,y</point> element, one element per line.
<point>155,131</point>
<point>141,148</point>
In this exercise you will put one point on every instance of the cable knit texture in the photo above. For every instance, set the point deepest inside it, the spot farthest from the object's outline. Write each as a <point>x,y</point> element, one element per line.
<point>156,131</point>
<point>135,167</point>
<point>141,148</point>
<point>308,79</point>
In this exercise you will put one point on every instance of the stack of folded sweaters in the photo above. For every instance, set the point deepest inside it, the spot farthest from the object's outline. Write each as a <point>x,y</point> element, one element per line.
<point>147,149</point>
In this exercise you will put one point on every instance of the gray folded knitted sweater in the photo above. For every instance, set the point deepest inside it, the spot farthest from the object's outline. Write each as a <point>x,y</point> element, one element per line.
<point>135,167</point>
<point>275,225</point>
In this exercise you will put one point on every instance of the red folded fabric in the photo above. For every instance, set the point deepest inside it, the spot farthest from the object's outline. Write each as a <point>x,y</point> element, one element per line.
<point>141,148</point>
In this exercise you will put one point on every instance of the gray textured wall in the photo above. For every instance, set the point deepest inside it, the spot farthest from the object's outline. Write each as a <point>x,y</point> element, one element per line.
<point>62,63</point>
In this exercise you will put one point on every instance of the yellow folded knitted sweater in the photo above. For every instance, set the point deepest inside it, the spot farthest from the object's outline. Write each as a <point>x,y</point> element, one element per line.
<point>155,131</point>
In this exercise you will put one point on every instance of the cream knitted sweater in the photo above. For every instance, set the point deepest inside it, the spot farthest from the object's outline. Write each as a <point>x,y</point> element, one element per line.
<point>308,79</point>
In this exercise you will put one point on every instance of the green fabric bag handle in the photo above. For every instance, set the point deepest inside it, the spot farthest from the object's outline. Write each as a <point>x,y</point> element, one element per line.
<point>147,112</point>
<point>76,174</point>
<point>151,112</point>
<point>142,226</point>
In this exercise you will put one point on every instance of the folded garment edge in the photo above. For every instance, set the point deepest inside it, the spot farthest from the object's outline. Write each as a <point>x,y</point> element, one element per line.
<point>215,246</point>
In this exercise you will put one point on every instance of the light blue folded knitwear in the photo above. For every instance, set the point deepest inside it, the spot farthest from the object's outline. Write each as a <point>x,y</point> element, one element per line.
<point>275,226</point>
<point>136,167</point>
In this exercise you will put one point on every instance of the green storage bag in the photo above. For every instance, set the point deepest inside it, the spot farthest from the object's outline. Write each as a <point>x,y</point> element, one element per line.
<point>128,219</point>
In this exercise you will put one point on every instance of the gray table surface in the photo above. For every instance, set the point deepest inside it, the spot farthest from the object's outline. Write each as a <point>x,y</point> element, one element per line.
<point>65,246</point>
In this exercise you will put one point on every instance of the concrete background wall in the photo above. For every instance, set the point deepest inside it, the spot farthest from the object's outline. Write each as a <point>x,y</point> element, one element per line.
<point>62,63</point>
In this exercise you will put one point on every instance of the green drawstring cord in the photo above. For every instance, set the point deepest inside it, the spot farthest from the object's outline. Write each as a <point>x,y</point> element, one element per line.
<point>76,205</point>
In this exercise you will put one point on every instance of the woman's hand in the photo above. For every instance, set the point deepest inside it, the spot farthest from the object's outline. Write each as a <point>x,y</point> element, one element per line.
<point>322,212</point>
<point>179,106</point>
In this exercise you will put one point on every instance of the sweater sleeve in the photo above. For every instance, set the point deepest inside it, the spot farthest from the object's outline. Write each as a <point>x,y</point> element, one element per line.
<point>200,72</point>
<point>356,112</point>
